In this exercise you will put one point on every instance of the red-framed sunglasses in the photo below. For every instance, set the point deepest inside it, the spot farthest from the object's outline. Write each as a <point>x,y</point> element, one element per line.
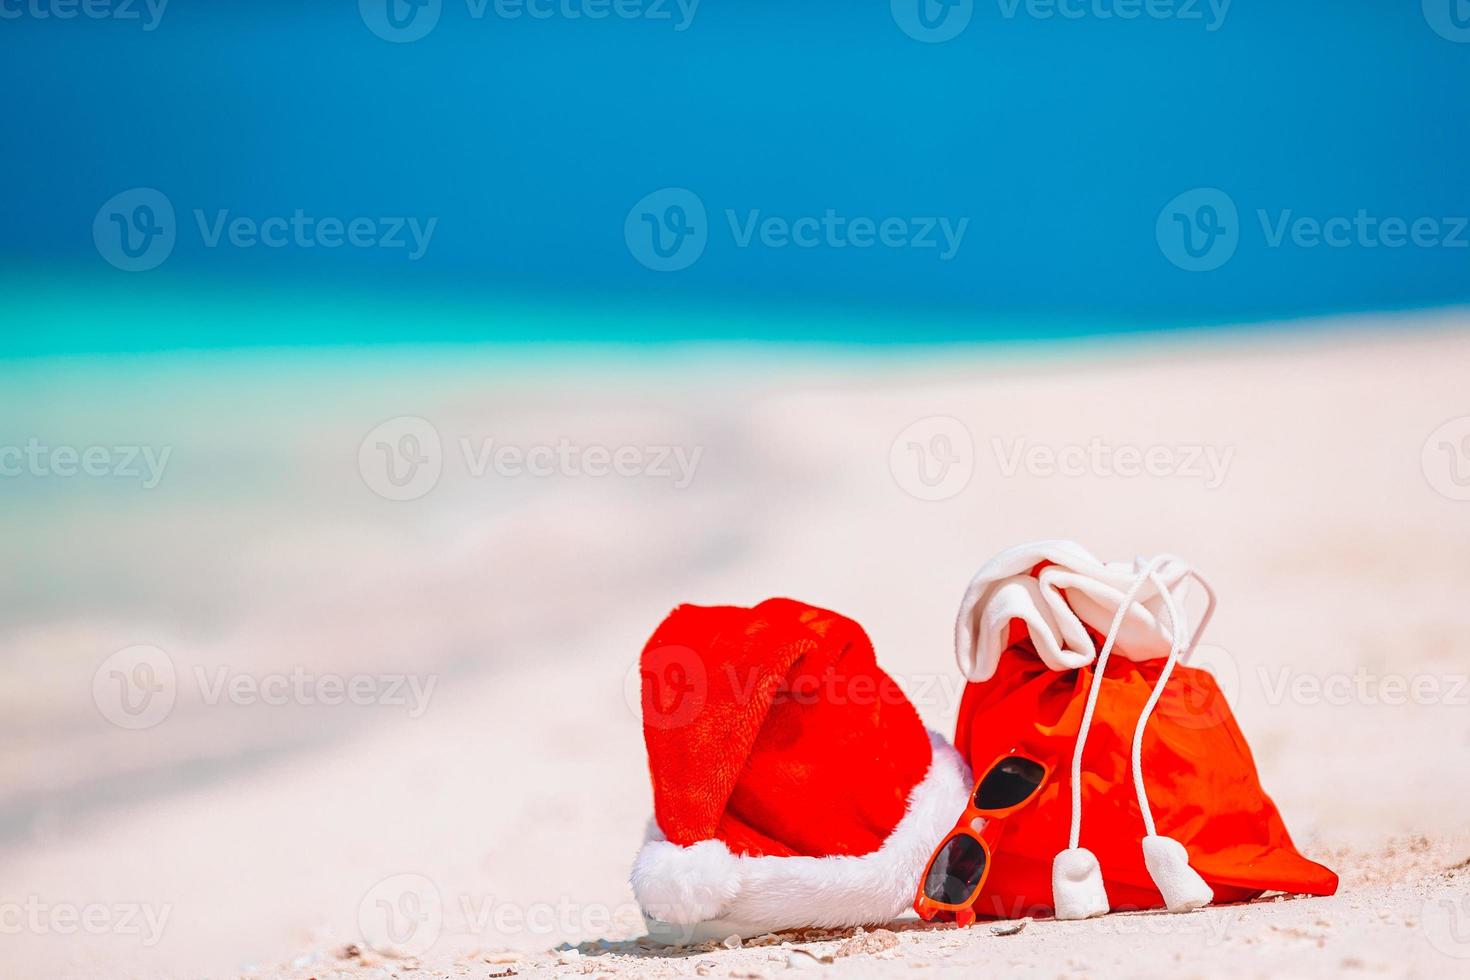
<point>956,872</point>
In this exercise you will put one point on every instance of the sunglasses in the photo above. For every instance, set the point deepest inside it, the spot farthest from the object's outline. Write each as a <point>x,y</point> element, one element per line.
<point>956,873</point>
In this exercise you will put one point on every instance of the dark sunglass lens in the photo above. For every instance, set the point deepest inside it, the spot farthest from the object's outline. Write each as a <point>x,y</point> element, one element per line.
<point>1012,781</point>
<point>956,871</point>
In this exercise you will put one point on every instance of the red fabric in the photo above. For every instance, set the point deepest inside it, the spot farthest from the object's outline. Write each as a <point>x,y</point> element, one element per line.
<point>1199,774</point>
<point>774,730</point>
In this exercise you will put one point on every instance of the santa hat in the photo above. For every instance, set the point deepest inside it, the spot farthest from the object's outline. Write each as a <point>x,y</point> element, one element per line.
<point>793,782</point>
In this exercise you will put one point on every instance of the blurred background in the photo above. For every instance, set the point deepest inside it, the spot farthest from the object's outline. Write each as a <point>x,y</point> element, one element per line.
<point>525,134</point>
<point>375,375</point>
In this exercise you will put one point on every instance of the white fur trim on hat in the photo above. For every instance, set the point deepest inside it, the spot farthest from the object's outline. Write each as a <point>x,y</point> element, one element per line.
<point>702,892</point>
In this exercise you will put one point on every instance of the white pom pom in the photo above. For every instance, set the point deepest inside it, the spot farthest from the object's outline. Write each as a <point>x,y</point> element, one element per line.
<point>1077,889</point>
<point>1168,865</point>
<point>685,884</point>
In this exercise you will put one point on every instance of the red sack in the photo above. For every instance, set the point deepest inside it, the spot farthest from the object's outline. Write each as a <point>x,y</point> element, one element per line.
<point>1029,614</point>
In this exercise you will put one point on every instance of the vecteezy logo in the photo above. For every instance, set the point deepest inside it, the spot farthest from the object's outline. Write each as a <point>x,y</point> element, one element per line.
<point>401,915</point>
<point>1445,459</point>
<point>401,459</point>
<point>400,21</point>
<point>135,230</point>
<point>934,458</point>
<point>1198,230</point>
<point>1192,700</point>
<point>669,685</point>
<point>932,21</point>
<point>1450,19</point>
<point>667,230</point>
<point>1445,920</point>
<point>135,688</point>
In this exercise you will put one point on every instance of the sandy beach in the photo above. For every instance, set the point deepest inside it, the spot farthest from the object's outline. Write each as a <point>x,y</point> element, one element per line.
<point>411,692</point>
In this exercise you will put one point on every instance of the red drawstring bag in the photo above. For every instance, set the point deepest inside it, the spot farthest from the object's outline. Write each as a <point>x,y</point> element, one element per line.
<point>1035,626</point>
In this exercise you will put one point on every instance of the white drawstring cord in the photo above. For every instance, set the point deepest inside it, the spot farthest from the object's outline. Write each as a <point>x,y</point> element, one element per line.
<point>1076,877</point>
<point>1074,838</point>
<point>1166,859</point>
<point>1077,886</point>
<point>1177,654</point>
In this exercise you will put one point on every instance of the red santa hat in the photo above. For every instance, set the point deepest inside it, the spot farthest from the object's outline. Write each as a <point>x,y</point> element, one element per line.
<point>793,782</point>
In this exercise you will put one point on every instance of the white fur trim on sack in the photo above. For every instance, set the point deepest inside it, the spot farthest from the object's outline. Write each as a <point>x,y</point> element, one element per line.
<point>703,892</point>
<point>1074,592</point>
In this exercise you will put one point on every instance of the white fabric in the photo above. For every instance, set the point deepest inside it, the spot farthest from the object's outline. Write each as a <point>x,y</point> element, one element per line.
<point>702,892</point>
<point>1076,591</point>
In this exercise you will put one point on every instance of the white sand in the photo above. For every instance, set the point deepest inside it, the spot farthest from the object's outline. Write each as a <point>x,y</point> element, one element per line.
<point>520,792</point>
